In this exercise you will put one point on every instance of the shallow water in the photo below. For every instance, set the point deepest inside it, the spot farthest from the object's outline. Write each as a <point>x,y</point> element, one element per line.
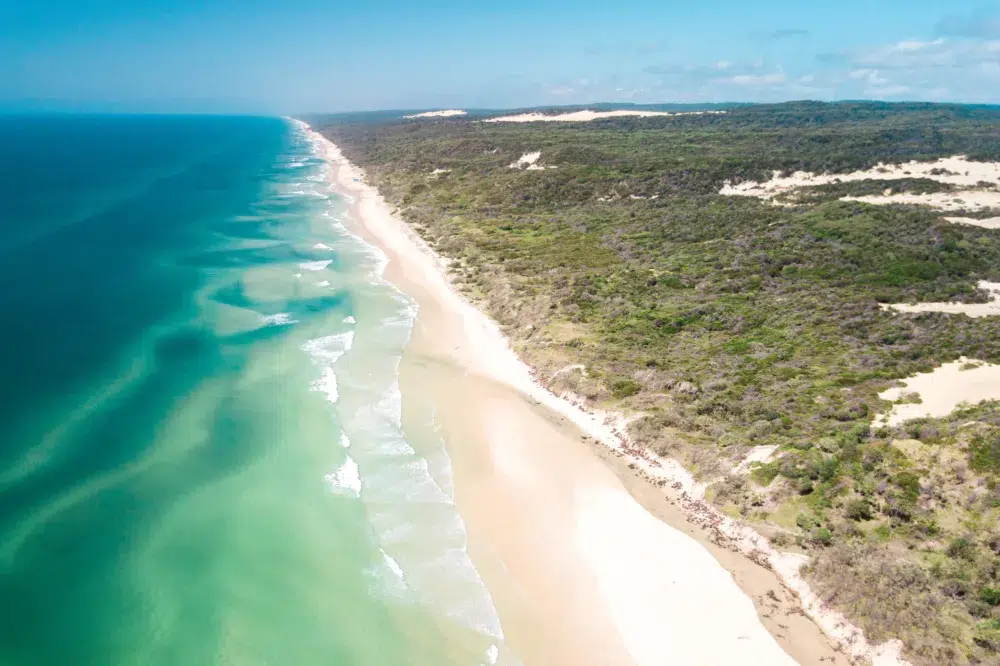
<point>204,459</point>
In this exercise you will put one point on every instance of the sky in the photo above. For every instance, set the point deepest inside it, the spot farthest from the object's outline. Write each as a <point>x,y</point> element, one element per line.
<point>257,56</point>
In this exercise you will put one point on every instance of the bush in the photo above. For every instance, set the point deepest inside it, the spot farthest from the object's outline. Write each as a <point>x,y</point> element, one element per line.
<point>821,536</point>
<point>623,388</point>
<point>860,509</point>
<point>990,595</point>
<point>961,548</point>
<point>987,635</point>
<point>805,521</point>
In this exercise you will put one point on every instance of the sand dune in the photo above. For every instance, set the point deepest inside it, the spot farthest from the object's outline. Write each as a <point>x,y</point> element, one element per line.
<point>986,223</point>
<point>977,181</point>
<point>447,113</point>
<point>942,390</point>
<point>988,309</point>
<point>587,116</point>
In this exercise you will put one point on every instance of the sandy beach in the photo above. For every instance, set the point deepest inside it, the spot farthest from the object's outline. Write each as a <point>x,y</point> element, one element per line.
<point>588,563</point>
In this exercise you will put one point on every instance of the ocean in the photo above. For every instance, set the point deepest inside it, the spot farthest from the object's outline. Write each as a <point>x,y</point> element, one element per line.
<point>204,456</point>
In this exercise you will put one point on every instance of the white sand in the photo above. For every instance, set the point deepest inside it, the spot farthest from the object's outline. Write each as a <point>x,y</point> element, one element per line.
<point>628,576</point>
<point>587,116</point>
<point>529,162</point>
<point>758,454</point>
<point>958,171</point>
<point>672,604</point>
<point>987,223</point>
<point>988,309</point>
<point>945,201</point>
<point>447,113</point>
<point>941,391</point>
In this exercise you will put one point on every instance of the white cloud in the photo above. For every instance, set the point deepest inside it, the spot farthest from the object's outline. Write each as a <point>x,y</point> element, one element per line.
<point>561,91</point>
<point>915,45</point>
<point>870,76</point>
<point>755,79</point>
<point>887,91</point>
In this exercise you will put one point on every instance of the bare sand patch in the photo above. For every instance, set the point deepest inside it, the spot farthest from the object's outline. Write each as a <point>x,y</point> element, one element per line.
<point>446,113</point>
<point>945,201</point>
<point>978,182</point>
<point>529,162</point>
<point>941,391</point>
<point>758,454</point>
<point>957,170</point>
<point>988,309</point>
<point>587,116</point>
<point>986,223</point>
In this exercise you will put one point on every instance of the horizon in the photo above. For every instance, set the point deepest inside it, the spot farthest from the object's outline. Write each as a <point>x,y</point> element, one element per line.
<point>263,58</point>
<point>474,111</point>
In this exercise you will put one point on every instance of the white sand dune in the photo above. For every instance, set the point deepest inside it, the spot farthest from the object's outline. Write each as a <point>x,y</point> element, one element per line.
<point>758,454</point>
<point>986,223</point>
<point>529,162</point>
<point>587,116</point>
<point>942,390</point>
<point>446,113</point>
<point>977,180</point>
<point>960,200</point>
<point>956,170</point>
<point>989,309</point>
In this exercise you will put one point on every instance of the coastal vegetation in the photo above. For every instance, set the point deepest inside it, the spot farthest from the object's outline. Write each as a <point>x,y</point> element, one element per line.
<point>728,323</point>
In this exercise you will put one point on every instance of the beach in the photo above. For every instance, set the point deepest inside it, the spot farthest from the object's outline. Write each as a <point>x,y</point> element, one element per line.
<point>587,563</point>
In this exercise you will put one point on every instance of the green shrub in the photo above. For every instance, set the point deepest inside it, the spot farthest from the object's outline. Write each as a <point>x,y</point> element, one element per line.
<point>821,536</point>
<point>859,509</point>
<point>987,635</point>
<point>990,595</point>
<point>961,548</point>
<point>623,388</point>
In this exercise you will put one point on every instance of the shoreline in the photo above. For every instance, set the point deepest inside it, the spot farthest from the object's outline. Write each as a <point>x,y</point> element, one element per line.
<point>662,487</point>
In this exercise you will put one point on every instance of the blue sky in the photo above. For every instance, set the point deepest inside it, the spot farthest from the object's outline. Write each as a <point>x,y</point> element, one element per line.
<point>307,55</point>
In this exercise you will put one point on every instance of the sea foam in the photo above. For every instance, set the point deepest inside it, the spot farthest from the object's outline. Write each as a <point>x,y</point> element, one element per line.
<point>411,514</point>
<point>280,319</point>
<point>315,265</point>
<point>346,479</point>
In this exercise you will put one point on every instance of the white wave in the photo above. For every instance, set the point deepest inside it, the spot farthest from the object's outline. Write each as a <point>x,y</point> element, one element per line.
<point>280,319</point>
<point>411,514</point>
<point>405,482</point>
<point>296,164</point>
<point>327,385</point>
<point>321,246</point>
<point>298,275</point>
<point>315,265</point>
<point>346,479</point>
<point>329,348</point>
<point>393,565</point>
<point>323,283</point>
<point>326,351</point>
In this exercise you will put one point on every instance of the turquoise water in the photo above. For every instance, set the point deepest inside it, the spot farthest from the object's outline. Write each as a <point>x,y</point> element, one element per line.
<point>203,459</point>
